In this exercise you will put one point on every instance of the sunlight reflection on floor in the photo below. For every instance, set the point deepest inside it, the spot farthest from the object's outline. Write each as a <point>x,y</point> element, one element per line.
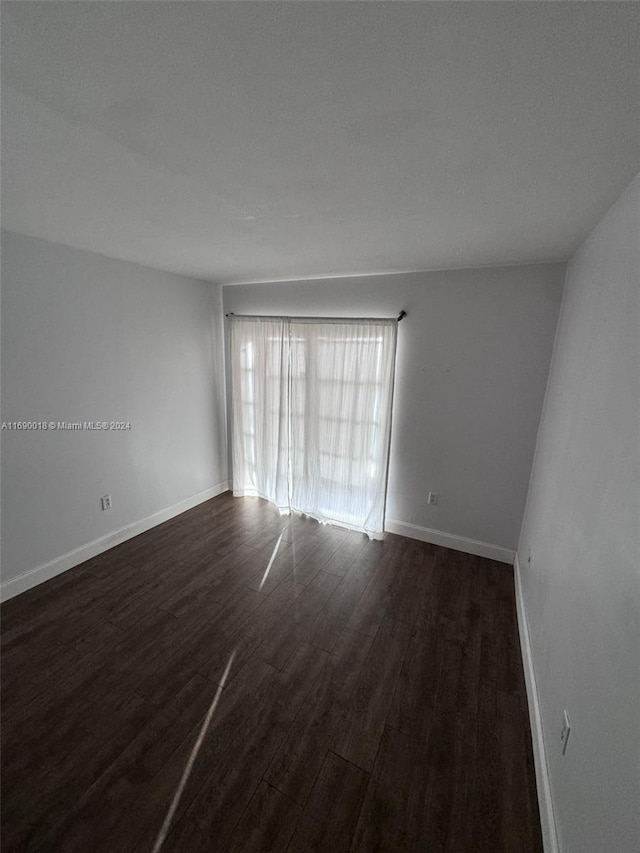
<point>164,829</point>
<point>270,563</point>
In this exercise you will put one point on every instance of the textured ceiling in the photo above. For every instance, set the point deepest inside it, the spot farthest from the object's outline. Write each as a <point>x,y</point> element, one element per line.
<point>251,141</point>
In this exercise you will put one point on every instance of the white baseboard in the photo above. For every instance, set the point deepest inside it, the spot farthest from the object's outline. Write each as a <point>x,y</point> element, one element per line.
<point>46,571</point>
<point>450,540</point>
<point>545,802</point>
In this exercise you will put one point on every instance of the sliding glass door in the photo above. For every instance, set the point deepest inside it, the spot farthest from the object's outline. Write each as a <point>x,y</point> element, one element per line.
<point>312,415</point>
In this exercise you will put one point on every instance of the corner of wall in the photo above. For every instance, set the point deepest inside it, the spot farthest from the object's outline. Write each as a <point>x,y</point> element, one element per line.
<point>545,801</point>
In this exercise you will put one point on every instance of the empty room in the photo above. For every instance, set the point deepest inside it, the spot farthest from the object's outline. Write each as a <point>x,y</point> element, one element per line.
<point>320,426</point>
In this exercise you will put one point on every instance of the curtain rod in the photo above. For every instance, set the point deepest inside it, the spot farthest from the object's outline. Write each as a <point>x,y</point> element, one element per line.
<point>402,314</point>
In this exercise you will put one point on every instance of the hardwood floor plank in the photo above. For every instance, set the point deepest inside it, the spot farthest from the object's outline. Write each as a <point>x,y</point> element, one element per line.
<point>381,589</point>
<point>449,796</point>
<point>243,641</point>
<point>41,671</point>
<point>191,647</point>
<point>245,574</point>
<point>298,761</point>
<point>184,837</point>
<point>281,640</point>
<point>313,559</point>
<point>396,801</point>
<point>412,708</point>
<point>180,599</point>
<point>361,728</point>
<point>328,625</point>
<point>520,825</point>
<point>346,555</point>
<point>267,824</point>
<point>285,564</point>
<point>331,814</point>
<point>503,818</point>
<point>411,587</point>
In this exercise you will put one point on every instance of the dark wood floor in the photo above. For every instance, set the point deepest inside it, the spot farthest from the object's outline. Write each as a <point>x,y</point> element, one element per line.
<point>363,696</point>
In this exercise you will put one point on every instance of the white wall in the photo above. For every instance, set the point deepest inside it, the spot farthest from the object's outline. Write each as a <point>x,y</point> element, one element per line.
<point>473,359</point>
<point>85,337</point>
<point>582,590</point>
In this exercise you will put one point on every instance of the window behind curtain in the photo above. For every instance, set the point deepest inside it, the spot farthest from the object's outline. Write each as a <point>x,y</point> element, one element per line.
<point>312,415</point>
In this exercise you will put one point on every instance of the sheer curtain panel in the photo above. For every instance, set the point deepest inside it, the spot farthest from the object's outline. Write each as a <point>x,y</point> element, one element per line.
<point>260,409</point>
<point>312,415</point>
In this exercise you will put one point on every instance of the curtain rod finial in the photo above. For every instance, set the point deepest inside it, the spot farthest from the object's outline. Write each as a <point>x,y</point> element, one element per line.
<point>402,314</point>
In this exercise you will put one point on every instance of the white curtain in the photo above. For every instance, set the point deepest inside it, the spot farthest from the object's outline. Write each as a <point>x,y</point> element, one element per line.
<point>312,415</point>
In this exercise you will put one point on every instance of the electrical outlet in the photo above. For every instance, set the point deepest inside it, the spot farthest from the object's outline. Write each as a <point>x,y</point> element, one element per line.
<point>105,502</point>
<point>566,731</point>
<point>433,499</point>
